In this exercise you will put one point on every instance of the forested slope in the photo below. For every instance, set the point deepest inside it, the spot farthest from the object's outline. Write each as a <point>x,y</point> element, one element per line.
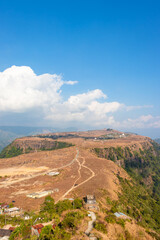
<point>140,197</point>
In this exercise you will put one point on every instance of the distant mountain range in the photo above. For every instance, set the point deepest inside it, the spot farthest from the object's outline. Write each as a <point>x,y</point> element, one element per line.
<point>157,140</point>
<point>9,133</point>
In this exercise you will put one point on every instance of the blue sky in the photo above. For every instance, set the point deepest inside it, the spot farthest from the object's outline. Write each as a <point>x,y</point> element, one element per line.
<point>112,46</point>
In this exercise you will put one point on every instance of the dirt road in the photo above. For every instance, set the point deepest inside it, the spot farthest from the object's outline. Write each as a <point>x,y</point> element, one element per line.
<point>74,186</point>
<point>9,181</point>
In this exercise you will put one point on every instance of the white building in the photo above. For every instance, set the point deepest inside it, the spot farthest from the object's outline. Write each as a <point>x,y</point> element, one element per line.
<point>42,194</point>
<point>53,173</point>
<point>12,211</point>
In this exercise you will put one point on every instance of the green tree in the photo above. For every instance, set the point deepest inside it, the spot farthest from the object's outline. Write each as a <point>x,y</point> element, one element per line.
<point>47,233</point>
<point>48,205</point>
<point>63,206</point>
<point>77,203</point>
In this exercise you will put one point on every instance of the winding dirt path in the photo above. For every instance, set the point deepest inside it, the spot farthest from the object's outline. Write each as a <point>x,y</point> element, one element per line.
<point>79,172</point>
<point>74,186</point>
<point>30,176</point>
<point>90,223</point>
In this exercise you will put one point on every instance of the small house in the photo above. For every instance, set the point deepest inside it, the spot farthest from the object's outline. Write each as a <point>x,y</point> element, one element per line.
<point>91,199</point>
<point>36,229</point>
<point>121,215</point>
<point>40,194</point>
<point>12,211</point>
<point>4,206</point>
<point>53,173</point>
<point>27,217</point>
<point>12,229</point>
<point>90,203</point>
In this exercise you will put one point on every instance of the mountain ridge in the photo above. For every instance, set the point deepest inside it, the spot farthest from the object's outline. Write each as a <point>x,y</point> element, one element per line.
<point>88,167</point>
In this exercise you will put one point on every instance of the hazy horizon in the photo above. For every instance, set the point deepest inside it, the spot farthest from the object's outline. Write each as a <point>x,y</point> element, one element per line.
<point>21,130</point>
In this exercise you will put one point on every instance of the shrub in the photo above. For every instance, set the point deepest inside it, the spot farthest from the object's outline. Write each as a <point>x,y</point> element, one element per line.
<point>11,151</point>
<point>108,201</point>
<point>48,205</point>
<point>71,220</point>
<point>121,222</point>
<point>46,233</point>
<point>77,203</point>
<point>22,232</point>
<point>100,226</point>
<point>110,218</point>
<point>63,206</point>
<point>128,236</point>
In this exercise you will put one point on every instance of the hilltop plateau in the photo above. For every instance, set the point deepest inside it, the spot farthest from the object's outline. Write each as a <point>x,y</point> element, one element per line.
<point>119,169</point>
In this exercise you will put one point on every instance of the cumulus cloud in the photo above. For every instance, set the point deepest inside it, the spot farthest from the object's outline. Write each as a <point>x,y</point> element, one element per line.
<point>144,121</point>
<point>23,91</point>
<point>85,108</point>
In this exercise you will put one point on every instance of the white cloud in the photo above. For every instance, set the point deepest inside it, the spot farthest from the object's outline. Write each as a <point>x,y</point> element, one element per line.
<point>85,98</point>
<point>156,122</point>
<point>23,91</point>
<point>130,108</point>
<point>146,118</point>
<point>85,108</point>
<point>70,82</point>
<point>144,121</point>
<point>100,109</point>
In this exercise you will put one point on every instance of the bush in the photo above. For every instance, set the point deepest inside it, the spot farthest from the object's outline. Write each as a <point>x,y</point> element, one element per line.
<point>48,205</point>
<point>154,235</point>
<point>11,151</point>
<point>100,226</point>
<point>63,206</point>
<point>121,222</point>
<point>111,218</point>
<point>128,236</point>
<point>108,201</point>
<point>71,220</point>
<point>77,203</point>
<point>47,233</point>
<point>22,232</point>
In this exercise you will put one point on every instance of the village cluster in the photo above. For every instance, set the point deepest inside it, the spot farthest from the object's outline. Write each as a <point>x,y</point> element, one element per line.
<point>90,205</point>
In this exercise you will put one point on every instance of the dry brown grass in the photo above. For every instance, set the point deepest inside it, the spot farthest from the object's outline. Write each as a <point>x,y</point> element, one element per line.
<point>26,173</point>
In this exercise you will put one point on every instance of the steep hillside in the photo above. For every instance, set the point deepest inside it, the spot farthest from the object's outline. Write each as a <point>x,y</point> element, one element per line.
<point>9,133</point>
<point>140,196</point>
<point>142,163</point>
<point>30,144</point>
